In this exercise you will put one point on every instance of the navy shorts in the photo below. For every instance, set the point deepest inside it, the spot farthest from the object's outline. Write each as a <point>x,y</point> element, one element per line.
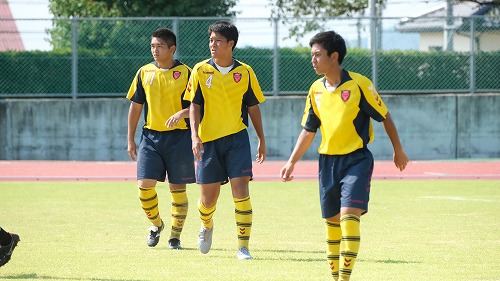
<point>162,153</point>
<point>227,157</point>
<point>344,181</point>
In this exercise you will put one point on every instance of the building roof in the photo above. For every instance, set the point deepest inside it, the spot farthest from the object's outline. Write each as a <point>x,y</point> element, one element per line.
<point>10,38</point>
<point>434,20</point>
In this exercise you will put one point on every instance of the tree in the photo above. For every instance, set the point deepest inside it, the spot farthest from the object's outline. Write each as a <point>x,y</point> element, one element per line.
<point>316,12</point>
<point>101,34</point>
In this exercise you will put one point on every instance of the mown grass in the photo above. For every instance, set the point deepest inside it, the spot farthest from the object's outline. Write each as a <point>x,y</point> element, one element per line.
<point>414,230</point>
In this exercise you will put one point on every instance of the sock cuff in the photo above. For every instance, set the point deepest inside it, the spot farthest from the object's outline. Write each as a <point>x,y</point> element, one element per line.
<point>241,200</point>
<point>349,217</point>
<point>204,209</point>
<point>179,195</point>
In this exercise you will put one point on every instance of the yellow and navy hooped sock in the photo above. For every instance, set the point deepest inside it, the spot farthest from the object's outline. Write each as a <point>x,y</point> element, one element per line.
<point>179,210</point>
<point>333,238</point>
<point>149,203</point>
<point>206,214</point>
<point>243,215</point>
<point>350,225</point>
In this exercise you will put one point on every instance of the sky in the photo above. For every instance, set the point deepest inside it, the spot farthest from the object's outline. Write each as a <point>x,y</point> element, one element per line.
<point>35,38</point>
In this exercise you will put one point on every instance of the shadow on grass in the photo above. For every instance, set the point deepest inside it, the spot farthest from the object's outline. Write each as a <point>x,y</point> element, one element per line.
<point>390,261</point>
<point>41,277</point>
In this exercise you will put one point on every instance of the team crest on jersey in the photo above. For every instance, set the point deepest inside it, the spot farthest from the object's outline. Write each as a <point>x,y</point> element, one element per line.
<point>176,74</point>
<point>237,77</point>
<point>345,94</point>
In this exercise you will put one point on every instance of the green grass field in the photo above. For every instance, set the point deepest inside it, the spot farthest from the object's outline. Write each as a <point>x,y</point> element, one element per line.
<point>415,230</point>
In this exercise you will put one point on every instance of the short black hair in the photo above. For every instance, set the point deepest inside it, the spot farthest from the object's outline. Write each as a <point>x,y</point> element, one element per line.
<point>332,42</point>
<point>226,29</point>
<point>167,35</point>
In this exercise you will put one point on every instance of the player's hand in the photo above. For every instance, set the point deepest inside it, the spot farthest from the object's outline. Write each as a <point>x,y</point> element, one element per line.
<point>173,120</point>
<point>197,147</point>
<point>131,149</point>
<point>400,160</point>
<point>261,153</point>
<point>286,172</point>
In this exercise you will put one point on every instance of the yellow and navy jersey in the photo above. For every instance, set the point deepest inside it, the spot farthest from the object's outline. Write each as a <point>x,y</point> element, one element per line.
<point>344,115</point>
<point>224,98</point>
<point>161,91</point>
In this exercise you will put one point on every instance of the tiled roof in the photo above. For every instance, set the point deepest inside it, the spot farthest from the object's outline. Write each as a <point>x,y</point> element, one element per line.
<point>10,38</point>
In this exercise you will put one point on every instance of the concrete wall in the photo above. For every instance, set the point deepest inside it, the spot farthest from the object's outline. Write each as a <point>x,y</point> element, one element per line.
<point>430,127</point>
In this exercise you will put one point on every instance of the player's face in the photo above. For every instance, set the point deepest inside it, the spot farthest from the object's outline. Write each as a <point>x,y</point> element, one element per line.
<point>321,62</point>
<point>219,46</point>
<point>160,50</point>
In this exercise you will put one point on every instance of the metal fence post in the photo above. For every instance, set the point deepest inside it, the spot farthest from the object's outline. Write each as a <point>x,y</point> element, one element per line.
<point>175,29</point>
<point>276,58</point>
<point>373,40</point>
<point>74,59</point>
<point>472,55</point>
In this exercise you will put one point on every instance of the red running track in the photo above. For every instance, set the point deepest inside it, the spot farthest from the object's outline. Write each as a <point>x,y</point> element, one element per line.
<point>269,170</point>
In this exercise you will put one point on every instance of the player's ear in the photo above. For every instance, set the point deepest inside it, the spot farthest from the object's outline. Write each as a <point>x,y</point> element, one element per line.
<point>335,57</point>
<point>173,48</point>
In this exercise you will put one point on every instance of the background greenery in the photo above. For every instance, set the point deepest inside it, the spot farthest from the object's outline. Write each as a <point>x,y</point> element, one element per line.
<point>106,74</point>
<point>415,230</point>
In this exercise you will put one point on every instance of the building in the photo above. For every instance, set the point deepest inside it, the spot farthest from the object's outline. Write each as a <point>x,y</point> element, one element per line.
<point>10,38</point>
<point>468,20</point>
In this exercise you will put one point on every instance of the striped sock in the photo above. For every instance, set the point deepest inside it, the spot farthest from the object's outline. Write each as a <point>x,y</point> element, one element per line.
<point>243,216</point>
<point>179,210</point>
<point>206,214</point>
<point>149,203</point>
<point>333,237</point>
<point>350,225</point>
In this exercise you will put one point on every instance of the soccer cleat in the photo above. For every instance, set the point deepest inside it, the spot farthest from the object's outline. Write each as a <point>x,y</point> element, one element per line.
<point>6,251</point>
<point>174,243</point>
<point>205,239</point>
<point>244,254</point>
<point>154,234</point>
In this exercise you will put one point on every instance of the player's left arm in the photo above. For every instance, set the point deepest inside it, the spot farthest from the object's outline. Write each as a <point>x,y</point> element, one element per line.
<point>256,117</point>
<point>179,115</point>
<point>399,156</point>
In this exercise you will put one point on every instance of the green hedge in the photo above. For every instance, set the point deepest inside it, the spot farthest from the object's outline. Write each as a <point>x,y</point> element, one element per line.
<point>49,73</point>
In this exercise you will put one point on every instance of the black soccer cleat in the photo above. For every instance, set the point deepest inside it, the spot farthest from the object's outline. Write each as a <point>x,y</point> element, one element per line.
<point>154,234</point>
<point>6,251</point>
<point>174,243</point>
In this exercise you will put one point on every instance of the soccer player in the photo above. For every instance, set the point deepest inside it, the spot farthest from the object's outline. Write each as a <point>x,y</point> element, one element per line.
<point>223,93</point>
<point>341,104</point>
<point>165,146</point>
<point>8,242</point>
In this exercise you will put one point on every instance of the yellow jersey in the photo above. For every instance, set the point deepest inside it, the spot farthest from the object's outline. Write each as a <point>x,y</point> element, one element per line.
<point>161,91</point>
<point>224,98</point>
<point>343,115</point>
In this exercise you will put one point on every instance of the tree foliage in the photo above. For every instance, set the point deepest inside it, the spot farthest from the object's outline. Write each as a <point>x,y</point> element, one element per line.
<point>98,34</point>
<point>316,12</point>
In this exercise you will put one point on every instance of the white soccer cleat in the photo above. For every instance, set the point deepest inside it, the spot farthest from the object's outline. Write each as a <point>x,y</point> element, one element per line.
<point>244,254</point>
<point>205,239</point>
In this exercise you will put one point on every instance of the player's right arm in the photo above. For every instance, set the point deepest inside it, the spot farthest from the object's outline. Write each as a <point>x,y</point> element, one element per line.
<point>303,142</point>
<point>134,114</point>
<point>194,119</point>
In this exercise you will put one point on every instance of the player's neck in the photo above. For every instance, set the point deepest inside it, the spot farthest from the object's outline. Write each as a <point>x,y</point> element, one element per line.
<point>165,64</point>
<point>224,62</point>
<point>334,76</point>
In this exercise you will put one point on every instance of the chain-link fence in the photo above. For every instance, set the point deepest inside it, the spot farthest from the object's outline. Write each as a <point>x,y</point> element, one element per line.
<point>99,56</point>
